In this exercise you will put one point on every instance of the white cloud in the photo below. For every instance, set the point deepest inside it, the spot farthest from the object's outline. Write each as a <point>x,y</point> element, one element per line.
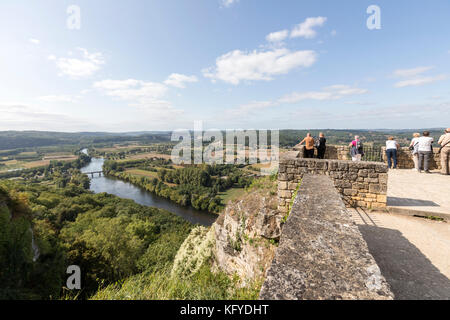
<point>34,41</point>
<point>237,66</point>
<point>228,3</point>
<point>305,29</point>
<point>144,95</point>
<point>415,77</point>
<point>58,98</point>
<point>419,81</point>
<point>277,36</point>
<point>20,117</point>
<point>411,72</point>
<point>333,33</point>
<point>179,80</point>
<point>132,89</point>
<point>82,67</point>
<point>333,92</point>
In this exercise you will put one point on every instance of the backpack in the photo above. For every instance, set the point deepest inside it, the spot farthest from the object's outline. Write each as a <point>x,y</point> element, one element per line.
<point>360,147</point>
<point>317,142</point>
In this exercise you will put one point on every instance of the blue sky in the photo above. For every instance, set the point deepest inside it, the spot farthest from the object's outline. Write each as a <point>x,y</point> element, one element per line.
<point>161,65</point>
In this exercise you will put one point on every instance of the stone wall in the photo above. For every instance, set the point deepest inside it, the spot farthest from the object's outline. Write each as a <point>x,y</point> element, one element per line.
<point>331,152</point>
<point>404,156</point>
<point>362,184</point>
<point>405,160</point>
<point>321,254</point>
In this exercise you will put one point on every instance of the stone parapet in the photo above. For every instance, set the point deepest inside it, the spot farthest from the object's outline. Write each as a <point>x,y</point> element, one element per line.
<point>361,184</point>
<point>321,254</point>
<point>405,158</point>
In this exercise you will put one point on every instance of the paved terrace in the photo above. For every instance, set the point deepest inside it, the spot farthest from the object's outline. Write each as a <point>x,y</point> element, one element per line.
<point>412,253</point>
<point>414,193</point>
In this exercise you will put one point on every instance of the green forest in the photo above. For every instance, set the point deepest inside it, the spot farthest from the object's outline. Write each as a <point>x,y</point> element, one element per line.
<point>196,186</point>
<point>50,220</point>
<point>108,237</point>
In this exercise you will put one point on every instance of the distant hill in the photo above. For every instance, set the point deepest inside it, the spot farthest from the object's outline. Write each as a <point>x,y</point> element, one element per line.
<point>27,139</point>
<point>288,137</point>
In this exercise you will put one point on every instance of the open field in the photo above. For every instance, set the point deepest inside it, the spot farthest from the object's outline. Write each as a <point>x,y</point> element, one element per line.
<point>230,194</point>
<point>19,164</point>
<point>146,156</point>
<point>143,173</point>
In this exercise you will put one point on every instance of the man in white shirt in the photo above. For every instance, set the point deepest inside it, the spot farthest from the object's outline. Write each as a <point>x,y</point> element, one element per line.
<point>391,151</point>
<point>425,151</point>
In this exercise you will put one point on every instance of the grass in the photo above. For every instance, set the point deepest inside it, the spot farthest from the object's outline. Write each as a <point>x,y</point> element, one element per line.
<point>142,173</point>
<point>434,218</point>
<point>21,164</point>
<point>203,285</point>
<point>230,194</point>
<point>146,156</point>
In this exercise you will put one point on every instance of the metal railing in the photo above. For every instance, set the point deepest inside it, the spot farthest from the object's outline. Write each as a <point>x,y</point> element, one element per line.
<point>373,154</point>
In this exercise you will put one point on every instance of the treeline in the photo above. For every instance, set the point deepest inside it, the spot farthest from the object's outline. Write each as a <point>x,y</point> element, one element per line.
<point>108,237</point>
<point>61,168</point>
<point>196,186</point>
<point>26,139</point>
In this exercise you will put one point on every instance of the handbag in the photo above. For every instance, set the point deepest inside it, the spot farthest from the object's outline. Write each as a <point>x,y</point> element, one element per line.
<point>442,147</point>
<point>413,148</point>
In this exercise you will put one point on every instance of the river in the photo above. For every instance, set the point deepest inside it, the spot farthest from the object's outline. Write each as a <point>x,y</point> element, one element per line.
<point>129,191</point>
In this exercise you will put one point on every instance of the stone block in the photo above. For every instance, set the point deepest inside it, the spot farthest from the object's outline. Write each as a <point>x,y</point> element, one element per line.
<point>362,173</point>
<point>374,188</point>
<point>282,185</point>
<point>383,178</point>
<point>292,185</point>
<point>350,192</point>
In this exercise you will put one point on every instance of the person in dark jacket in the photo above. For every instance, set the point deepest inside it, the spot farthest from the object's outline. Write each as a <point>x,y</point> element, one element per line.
<point>321,146</point>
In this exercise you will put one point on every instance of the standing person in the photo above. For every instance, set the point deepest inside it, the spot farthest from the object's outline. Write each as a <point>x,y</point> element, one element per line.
<point>357,149</point>
<point>309,146</point>
<point>321,146</point>
<point>414,147</point>
<point>425,151</point>
<point>444,141</point>
<point>391,152</point>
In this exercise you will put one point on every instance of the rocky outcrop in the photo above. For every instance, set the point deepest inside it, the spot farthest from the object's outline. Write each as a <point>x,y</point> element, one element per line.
<point>322,254</point>
<point>246,234</point>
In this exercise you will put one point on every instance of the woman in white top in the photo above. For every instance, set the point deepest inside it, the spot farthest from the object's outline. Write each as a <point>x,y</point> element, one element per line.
<point>414,147</point>
<point>425,151</point>
<point>391,152</point>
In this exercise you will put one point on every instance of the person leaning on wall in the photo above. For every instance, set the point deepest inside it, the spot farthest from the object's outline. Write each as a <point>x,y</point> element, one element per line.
<point>425,151</point>
<point>444,151</point>
<point>391,152</point>
<point>356,149</point>
<point>309,146</point>
<point>321,146</point>
<point>414,147</point>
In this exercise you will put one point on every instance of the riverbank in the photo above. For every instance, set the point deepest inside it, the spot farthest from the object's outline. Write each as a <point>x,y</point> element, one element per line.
<point>127,190</point>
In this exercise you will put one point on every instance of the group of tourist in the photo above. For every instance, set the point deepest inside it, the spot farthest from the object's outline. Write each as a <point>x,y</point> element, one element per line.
<point>311,143</point>
<point>421,147</point>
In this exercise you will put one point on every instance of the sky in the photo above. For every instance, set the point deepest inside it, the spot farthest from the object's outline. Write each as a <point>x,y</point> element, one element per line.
<point>117,66</point>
